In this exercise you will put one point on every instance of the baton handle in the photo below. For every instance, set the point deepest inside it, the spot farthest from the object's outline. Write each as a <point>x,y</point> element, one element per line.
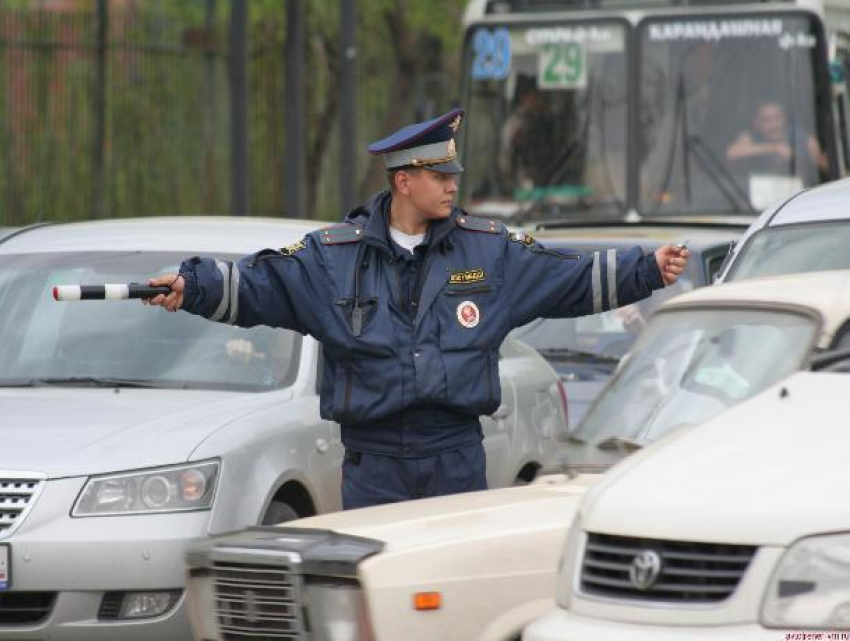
<point>107,292</point>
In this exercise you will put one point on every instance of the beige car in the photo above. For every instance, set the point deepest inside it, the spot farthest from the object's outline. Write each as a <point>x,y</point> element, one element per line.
<point>482,565</point>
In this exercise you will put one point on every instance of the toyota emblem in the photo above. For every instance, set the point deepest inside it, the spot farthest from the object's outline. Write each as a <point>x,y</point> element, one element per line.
<point>645,569</point>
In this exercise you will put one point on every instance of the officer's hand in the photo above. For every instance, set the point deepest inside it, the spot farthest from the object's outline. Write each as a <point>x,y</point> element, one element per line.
<point>672,261</point>
<point>172,301</point>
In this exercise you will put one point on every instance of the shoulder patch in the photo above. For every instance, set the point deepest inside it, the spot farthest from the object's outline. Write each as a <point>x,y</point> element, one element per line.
<point>289,250</point>
<point>474,223</point>
<point>338,234</point>
<point>522,238</point>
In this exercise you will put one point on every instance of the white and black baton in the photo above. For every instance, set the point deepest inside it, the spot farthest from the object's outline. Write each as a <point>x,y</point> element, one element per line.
<point>107,292</point>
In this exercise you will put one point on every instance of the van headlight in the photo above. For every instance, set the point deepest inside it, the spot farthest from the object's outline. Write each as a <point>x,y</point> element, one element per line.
<point>337,610</point>
<point>176,488</point>
<point>810,587</point>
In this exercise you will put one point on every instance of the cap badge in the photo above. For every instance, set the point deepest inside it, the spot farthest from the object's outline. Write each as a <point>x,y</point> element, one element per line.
<point>468,314</point>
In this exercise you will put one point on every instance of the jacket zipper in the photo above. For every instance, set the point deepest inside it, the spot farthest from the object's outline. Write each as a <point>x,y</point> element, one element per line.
<point>557,254</point>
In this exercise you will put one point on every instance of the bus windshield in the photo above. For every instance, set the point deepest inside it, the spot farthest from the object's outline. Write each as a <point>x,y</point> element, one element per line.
<point>667,115</point>
<point>728,113</point>
<point>548,118</point>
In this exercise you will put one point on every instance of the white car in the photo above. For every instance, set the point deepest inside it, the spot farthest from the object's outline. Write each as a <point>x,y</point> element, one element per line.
<point>810,231</point>
<point>736,530</point>
<point>127,433</point>
<point>488,559</point>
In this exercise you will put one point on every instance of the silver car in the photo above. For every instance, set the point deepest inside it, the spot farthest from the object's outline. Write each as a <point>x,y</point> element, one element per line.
<point>808,232</point>
<point>127,433</point>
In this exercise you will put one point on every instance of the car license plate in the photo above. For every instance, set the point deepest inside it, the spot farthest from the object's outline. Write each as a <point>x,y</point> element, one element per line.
<point>5,567</point>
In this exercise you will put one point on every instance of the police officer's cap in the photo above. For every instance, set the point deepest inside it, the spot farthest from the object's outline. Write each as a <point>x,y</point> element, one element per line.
<point>429,144</point>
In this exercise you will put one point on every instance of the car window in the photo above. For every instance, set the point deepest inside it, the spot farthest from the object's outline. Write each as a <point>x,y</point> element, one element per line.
<point>43,339</point>
<point>792,249</point>
<point>690,365</point>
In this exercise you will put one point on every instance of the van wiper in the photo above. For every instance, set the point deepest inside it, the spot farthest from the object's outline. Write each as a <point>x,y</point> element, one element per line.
<point>566,354</point>
<point>85,381</point>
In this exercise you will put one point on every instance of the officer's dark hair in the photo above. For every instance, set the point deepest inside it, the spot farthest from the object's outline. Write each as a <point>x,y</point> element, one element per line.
<point>392,173</point>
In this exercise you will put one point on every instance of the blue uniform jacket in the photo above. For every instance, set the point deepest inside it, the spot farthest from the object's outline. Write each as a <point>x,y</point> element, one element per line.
<point>401,383</point>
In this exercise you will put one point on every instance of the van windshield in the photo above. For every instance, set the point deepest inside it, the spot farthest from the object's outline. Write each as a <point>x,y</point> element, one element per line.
<point>44,342</point>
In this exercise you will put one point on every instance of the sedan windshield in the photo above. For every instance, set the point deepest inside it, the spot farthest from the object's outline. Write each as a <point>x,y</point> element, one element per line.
<point>796,248</point>
<point>690,365</point>
<point>123,343</point>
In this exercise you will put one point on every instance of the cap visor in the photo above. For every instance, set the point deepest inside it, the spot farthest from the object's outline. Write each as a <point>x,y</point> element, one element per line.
<point>451,167</point>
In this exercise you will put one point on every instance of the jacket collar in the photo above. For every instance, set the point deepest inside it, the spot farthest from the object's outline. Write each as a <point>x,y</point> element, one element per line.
<point>373,217</point>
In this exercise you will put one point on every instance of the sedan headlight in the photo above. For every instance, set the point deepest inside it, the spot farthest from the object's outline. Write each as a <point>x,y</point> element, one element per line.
<point>338,611</point>
<point>810,587</point>
<point>176,488</point>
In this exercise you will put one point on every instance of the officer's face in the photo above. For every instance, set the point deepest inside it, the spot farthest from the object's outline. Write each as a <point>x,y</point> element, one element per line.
<point>432,193</point>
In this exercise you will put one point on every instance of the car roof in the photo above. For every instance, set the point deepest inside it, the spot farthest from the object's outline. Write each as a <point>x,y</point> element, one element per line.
<point>213,234</point>
<point>826,293</point>
<point>822,203</point>
<point>698,237</point>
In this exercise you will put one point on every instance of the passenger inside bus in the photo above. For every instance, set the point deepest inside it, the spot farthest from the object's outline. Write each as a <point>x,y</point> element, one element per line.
<point>772,146</point>
<point>539,149</point>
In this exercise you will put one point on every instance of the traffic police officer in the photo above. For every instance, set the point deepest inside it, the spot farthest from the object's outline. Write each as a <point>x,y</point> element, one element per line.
<point>411,299</point>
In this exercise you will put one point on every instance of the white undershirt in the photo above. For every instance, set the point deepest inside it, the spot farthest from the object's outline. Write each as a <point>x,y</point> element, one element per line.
<point>406,241</point>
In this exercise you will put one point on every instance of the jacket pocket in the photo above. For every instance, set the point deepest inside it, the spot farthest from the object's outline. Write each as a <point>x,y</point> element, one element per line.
<point>361,389</point>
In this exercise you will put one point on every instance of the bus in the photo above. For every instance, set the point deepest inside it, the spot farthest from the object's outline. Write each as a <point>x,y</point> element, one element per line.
<point>631,109</point>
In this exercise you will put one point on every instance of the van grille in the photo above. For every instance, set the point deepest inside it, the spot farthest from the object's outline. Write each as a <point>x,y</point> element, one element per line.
<point>689,572</point>
<point>257,602</point>
<point>16,495</point>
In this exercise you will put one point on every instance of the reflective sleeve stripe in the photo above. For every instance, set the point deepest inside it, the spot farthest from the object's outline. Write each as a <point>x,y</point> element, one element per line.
<point>612,279</point>
<point>596,283</point>
<point>219,312</point>
<point>234,295</point>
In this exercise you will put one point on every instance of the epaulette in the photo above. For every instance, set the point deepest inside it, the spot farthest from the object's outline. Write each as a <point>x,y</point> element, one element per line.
<point>474,223</point>
<point>342,233</point>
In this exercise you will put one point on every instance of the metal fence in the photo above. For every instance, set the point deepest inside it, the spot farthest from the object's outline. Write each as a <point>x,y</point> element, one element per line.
<point>124,113</point>
<point>113,108</point>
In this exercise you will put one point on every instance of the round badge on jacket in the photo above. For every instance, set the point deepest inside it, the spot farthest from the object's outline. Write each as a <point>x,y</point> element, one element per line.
<point>468,314</point>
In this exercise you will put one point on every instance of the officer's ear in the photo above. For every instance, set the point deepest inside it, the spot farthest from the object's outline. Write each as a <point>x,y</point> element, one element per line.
<point>401,180</point>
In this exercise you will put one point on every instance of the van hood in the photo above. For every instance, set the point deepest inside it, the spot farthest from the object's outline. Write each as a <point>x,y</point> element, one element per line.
<point>81,431</point>
<point>550,502</point>
<point>766,472</point>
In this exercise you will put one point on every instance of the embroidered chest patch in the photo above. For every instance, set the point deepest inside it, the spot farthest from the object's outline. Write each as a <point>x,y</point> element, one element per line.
<point>467,276</point>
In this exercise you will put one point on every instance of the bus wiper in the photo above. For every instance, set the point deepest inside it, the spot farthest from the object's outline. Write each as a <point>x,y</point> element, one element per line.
<point>621,443</point>
<point>566,354</point>
<point>84,381</point>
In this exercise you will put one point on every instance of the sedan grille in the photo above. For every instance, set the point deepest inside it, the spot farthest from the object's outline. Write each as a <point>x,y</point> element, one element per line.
<point>257,602</point>
<point>25,608</point>
<point>654,570</point>
<point>16,495</point>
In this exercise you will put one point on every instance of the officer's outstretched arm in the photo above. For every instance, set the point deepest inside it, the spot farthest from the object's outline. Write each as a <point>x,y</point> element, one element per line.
<point>278,288</point>
<point>550,283</point>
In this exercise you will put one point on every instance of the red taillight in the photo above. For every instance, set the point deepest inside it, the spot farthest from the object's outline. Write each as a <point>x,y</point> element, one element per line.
<point>562,391</point>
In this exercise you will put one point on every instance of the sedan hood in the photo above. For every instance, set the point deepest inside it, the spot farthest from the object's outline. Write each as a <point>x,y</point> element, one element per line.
<point>766,472</point>
<point>73,432</point>
<point>549,502</point>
